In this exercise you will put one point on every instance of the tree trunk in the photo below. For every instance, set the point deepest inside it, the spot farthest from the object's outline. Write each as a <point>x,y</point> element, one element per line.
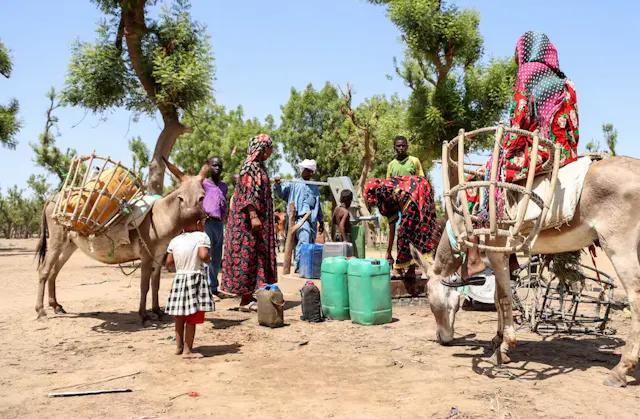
<point>134,28</point>
<point>166,140</point>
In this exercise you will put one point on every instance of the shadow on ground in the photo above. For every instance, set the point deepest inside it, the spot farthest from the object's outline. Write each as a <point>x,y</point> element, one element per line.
<point>119,322</point>
<point>541,360</point>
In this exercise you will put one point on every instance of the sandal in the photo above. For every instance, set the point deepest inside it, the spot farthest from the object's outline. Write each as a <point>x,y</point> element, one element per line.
<point>455,281</point>
<point>251,307</point>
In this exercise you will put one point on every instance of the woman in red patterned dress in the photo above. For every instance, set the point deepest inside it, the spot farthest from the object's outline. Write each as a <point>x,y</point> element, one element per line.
<point>250,248</point>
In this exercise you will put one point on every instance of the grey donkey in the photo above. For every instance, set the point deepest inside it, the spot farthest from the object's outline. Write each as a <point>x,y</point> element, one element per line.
<point>608,212</point>
<point>165,220</point>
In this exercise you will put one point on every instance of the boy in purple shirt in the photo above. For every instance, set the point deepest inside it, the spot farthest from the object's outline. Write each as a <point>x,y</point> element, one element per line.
<point>215,205</point>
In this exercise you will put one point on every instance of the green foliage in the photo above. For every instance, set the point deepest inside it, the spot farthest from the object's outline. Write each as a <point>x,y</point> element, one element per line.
<point>449,88</point>
<point>220,132</point>
<point>172,70</point>
<point>313,127</point>
<point>98,77</point>
<point>139,156</point>
<point>610,137</point>
<point>9,123</point>
<point>315,124</point>
<point>47,154</point>
<point>20,215</point>
<point>5,61</point>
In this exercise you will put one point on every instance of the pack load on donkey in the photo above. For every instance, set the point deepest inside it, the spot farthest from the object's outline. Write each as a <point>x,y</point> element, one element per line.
<point>94,194</point>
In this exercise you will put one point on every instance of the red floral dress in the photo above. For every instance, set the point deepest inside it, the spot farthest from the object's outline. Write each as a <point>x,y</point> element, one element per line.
<point>562,130</point>
<point>250,258</point>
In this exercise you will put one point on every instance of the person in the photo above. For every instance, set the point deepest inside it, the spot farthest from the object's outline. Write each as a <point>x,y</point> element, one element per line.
<point>544,99</point>
<point>403,164</point>
<point>306,198</point>
<point>250,248</point>
<point>215,206</point>
<point>341,218</point>
<point>190,296</point>
<point>412,198</point>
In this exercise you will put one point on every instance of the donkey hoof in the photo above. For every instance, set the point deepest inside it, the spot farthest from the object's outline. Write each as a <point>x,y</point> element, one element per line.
<point>496,341</point>
<point>613,380</point>
<point>42,314</point>
<point>59,310</point>
<point>495,359</point>
<point>144,317</point>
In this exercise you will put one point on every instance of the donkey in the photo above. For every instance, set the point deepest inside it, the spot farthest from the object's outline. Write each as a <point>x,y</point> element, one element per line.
<point>608,212</point>
<point>165,220</point>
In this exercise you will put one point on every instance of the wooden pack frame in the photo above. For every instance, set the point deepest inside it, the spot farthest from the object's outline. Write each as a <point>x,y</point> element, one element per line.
<point>455,199</point>
<point>82,170</point>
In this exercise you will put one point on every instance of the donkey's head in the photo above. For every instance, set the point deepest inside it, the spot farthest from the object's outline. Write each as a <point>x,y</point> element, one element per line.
<point>189,195</point>
<point>443,301</point>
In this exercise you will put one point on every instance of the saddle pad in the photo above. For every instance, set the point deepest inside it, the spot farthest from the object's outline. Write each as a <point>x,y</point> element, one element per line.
<point>564,199</point>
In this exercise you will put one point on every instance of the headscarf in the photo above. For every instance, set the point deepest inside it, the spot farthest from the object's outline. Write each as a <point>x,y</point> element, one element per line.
<point>253,167</point>
<point>539,76</point>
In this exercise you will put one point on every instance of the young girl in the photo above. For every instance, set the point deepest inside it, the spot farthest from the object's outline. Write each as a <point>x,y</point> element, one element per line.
<point>190,295</point>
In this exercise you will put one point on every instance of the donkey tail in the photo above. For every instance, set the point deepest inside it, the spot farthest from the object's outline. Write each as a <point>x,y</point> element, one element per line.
<point>41,249</point>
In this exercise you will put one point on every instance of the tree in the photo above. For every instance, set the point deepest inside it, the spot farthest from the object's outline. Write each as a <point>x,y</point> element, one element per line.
<point>313,127</point>
<point>145,65</point>
<point>345,140</point>
<point>9,123</point>
<point>218,132</point>
<point>449,88</point>
<point>47,154</point>
<point>376,121</point>
<point>139,155</point>
<point>610,137</point>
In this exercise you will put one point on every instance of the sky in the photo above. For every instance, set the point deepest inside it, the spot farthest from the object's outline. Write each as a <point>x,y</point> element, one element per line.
<point>263,48</point>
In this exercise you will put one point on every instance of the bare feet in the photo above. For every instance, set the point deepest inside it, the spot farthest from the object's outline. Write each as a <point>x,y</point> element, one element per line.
<point>190,354</point>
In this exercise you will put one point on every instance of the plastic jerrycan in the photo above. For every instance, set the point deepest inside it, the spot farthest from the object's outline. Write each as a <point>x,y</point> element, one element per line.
<point>270,306</point>
<point>334,292</point>
<point>369,291</point>
<point>310,260</point>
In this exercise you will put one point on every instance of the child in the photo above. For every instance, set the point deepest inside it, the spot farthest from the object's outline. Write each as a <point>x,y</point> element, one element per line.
<point>190,295</point>
<point>403,164</point>
<point>341,217</point>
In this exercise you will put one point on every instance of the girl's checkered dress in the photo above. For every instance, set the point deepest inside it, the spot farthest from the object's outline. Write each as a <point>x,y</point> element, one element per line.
<point>190,292</point>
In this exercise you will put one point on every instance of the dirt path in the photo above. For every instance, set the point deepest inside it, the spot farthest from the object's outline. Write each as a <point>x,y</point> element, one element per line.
<point>333,369</point>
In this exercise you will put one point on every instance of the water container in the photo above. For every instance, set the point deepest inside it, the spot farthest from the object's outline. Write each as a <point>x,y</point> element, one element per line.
<point>270,306</point>
<point>310,299</point>
<point>369,291</point>
<point>358,233</point>
<point>334,290</point>
<point>310,260</point>
<point>332,249</point>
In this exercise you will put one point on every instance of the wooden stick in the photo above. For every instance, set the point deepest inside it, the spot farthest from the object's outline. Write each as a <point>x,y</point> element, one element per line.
<point>461,181</point>
<point>89,392</point>
<point>493,227</point>
<point>289,244</point>
<point>524,203</point>
<point>98,382</point>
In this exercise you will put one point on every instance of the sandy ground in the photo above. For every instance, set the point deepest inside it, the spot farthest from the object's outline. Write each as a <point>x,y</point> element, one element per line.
<point>332,369</point>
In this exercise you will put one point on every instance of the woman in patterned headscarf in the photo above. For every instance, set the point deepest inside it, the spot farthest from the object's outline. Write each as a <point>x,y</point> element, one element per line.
<point>544,99</point>
<point>250,255</point>
<point>412,197</point>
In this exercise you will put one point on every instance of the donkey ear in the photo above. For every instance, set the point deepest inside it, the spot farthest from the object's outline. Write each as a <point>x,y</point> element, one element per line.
<point>420,260</point>
<point>173,169</point>
<point>204,171</point>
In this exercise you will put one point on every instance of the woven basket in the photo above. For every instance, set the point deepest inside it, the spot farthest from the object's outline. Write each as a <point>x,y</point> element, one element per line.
<point>93,194</point>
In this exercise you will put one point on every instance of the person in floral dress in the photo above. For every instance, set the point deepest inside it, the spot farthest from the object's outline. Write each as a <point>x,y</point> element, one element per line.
<point>544,99</point>
<point>410,197</point>
<point>250,248</point>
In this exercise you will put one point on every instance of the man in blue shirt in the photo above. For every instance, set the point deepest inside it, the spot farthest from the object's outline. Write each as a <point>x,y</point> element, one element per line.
<point>306,198</point>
